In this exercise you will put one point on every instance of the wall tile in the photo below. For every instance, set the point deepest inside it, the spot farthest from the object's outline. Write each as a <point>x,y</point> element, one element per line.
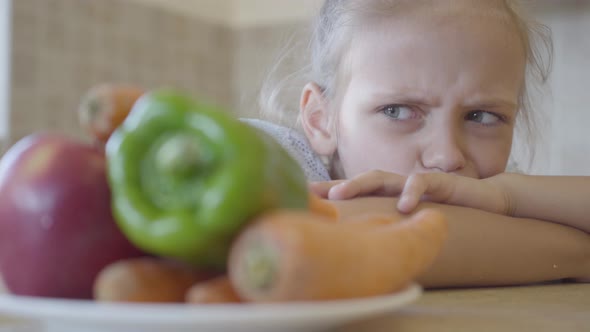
<point>61,48</point>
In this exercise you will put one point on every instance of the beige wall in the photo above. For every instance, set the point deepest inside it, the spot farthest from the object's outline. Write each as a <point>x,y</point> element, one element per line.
<point>241,13</point>
<point>216,11</point>
<point>265,12</point>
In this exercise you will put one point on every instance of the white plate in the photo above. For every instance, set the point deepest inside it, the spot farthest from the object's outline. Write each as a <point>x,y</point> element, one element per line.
<point>56,315</point>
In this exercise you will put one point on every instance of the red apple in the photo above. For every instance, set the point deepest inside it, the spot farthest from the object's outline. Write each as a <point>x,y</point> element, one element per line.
<point>56,227</point>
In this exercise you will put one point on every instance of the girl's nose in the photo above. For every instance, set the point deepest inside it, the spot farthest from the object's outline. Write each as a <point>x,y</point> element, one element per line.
<point>444,153</point>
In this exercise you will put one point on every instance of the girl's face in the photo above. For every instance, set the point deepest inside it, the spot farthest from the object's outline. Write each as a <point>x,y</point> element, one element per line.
<point>429,93</point>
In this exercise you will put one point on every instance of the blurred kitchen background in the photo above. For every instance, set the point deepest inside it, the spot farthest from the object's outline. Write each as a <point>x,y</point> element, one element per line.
<point>53,51</point>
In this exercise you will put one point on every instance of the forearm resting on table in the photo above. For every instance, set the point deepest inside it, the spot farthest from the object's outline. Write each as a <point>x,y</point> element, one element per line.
<point>561,199</point>
<point>486,249</point>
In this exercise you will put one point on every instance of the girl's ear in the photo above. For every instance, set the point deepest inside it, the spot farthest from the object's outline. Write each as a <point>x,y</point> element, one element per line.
<point>316,120</point>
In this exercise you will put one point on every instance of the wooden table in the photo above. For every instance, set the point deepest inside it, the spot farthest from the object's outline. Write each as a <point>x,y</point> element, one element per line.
<point>539,308</point>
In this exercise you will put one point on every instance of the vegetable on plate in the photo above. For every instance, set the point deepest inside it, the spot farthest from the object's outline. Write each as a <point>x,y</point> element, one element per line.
<point>186,177</point>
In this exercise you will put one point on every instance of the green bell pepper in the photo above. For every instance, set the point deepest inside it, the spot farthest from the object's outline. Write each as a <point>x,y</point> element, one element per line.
<point>186,177</point>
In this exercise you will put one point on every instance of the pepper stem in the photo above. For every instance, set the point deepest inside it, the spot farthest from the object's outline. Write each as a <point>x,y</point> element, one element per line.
<point>260,267</point>
<point>179,154</point>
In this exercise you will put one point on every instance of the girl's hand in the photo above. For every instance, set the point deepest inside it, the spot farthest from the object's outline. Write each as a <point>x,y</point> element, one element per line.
<point>445,188</point>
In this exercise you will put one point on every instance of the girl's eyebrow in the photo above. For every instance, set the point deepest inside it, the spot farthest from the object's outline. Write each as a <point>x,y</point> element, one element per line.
<point>405,98</point>
<point>491,103</point>
<point>413,98</point>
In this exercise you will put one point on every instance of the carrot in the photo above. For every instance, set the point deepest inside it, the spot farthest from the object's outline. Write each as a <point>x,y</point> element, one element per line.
<point>323,207</point>
<point>291,256</point>
<point>217,290</point>
<point>104,107</point>
<point>146,279</point>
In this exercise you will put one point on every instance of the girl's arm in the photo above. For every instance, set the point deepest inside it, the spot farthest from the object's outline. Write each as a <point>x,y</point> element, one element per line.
<point>487,249</point>
<point>561,199</point>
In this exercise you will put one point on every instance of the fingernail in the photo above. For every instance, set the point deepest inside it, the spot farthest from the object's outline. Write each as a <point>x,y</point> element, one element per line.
<point>332,194</point>
<point>340,185</point>
<point>403,205</point>
<point>336,191</point>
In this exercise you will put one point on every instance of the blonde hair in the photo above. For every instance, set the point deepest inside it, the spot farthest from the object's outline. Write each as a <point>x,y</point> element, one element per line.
<point>332,33</point>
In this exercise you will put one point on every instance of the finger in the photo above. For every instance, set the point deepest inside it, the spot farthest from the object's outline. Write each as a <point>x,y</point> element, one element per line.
<point>384,183</point>
<point>435,187</point>
<point>321,188</point>
<point>415,187</point>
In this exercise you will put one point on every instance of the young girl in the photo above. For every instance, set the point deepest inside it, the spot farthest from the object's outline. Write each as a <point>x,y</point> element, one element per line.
<point>419,99</point>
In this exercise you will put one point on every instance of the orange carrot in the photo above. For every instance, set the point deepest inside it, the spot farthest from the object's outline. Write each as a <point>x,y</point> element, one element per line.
<point>291,256</point>
<point>104,107</point>
<point>146,279</point>
<point>323,207</point>
<point>217,290</point>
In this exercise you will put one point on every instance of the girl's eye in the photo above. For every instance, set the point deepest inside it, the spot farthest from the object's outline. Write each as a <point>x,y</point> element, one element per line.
<point>483,117</point>
<point>399,112</point>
